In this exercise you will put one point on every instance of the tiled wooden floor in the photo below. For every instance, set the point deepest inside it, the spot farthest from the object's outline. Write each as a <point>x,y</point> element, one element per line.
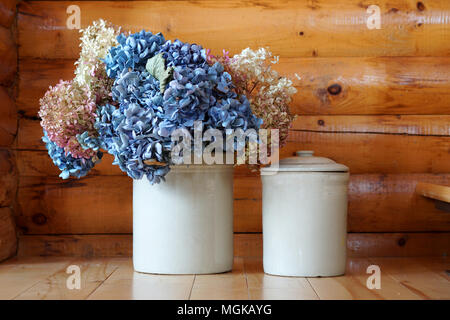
<point>45,278</point>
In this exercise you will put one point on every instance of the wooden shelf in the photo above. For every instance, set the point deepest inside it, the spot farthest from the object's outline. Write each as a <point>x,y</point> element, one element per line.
<point>434,191</point>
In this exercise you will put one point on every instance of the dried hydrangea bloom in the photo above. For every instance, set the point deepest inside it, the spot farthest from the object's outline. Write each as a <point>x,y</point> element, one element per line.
<point>69,166</point>
<point>68,109</point>
<point>96,40</point>
<point>268,92</point>
<point>153,104</point>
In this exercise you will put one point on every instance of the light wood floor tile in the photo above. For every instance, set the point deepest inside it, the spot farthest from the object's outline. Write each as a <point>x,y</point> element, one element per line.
<point>264,286</point>
<point>219,294</point>
<point>54,287</point>
<point>16,276</point>
<point>230,285</point>
<point>353,285</point>
<point>440,265</point>
<point>281,294</point>
<point>125,284</point>
<point>415,276</point>
<point>45,278</point>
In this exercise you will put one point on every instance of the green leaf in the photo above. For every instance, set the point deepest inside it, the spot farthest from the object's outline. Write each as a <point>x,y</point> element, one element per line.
<point>156,66</point>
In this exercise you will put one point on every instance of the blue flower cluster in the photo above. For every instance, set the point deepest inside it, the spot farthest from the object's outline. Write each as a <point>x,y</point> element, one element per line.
<point>130,138</point>
<point>68,165</point>
<point>138,131</point>
<point>88,142</point>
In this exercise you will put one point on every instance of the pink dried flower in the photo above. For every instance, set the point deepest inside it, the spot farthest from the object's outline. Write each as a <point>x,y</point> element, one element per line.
<point>68,109</point>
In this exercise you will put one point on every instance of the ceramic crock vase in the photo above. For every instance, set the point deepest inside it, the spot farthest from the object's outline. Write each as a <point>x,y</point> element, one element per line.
<point>184,225</point>
<point>305,217</point>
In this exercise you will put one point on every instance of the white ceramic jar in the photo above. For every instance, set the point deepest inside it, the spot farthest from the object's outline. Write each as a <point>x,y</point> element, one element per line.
<point>305,217</point>
<point>185,225</point>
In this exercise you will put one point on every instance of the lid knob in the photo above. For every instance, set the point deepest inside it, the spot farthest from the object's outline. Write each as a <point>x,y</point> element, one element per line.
<point>305,153</point>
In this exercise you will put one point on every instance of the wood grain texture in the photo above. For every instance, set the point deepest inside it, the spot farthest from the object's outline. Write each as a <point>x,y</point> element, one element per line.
<point>8,57</point>
<point>427,125</point>
<point>359,245</point>
<point>375,153</point>
<point>124,283</point>
<point>353,285</point>
<point>45,278</point>
<point>54,287</point>
<point>416,277</point>
<point>381,85</point>
<point>362,153</point>
<point>292,29</point>
<point>8,177</point>
<point>377,203</point>
<point>434,191</point>
<point>86,246</point>
<point>18,276</point>
<point>229,286</point>
<point>388,120</point>
<point>7,12</point>
<point>35,163</point>
<point>265,286</point>
<point>365,152</point>
<point>111,245</point>
<point>398,244</point>
<point>8,238</point>
<point>8,119</point>
<point>55,206</point>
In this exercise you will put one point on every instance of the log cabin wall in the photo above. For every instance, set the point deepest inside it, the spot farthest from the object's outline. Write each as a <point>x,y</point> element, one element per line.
<point>8,127</point>
<point>376,100</point>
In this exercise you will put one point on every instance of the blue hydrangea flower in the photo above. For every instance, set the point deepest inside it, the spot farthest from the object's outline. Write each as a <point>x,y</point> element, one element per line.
<point>205,94</point>
<point>131,138</point>
<point>138,132</point>
<point>178,53</point>
<point>68,165</point>
<point>137,87</point>
<point>88,142</point>
<point>132,52</point>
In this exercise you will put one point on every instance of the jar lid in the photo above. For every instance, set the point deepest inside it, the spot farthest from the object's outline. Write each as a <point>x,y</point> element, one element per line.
<point>305,161</point>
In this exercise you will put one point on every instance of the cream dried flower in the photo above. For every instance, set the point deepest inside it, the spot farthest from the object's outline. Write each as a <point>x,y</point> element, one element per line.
<point>268,92</point>
<point>96,40</point>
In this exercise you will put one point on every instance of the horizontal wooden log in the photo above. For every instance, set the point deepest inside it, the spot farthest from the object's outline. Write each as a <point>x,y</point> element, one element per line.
<point>30,133</point>
<point>379,147</point>
<point>245,245</point>
<point>38,163</point>
<point>375,153</point>
<point>7,12</point>
<point>291,29</point>
<point>398,244</point>
<point>8,177</point>
<point>55,206</point>
<point>8,239</point>
<point>377,203</point>
<point>103,204</point>
<point>35,77</point>
<point>420,125</point>
<point>8,57</point>
<point>393,85</point>
<point>8,119</point>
